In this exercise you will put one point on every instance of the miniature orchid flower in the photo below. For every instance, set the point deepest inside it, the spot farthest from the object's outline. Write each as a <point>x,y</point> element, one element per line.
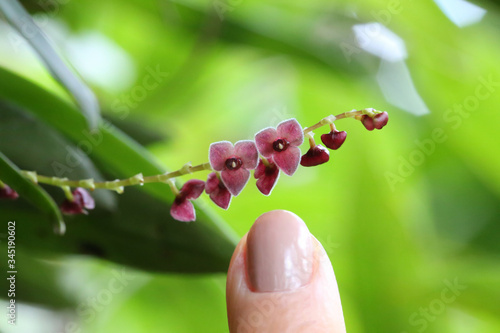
<point>217,191</point>
<point>315,156</point>
<point>272,150</point>
<point>182,209</point>
<point>282,144</point>
<point>8,193</point>
<point>81,202</point>
<point>234,162</point>
<point>267,174</point>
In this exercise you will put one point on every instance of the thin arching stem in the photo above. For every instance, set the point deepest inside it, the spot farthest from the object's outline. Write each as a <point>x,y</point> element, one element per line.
<point>119,184</point>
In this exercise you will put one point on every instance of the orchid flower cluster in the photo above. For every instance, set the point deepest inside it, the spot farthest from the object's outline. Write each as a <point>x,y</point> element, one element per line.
<point>273,150</point>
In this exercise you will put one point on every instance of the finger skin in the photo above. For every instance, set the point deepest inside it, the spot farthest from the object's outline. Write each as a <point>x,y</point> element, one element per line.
<point>314,307</point>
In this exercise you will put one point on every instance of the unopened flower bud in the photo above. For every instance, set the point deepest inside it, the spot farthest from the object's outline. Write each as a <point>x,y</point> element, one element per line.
<point>315,156</point>
<point>368,122</point>
<point>7,193</point>
<point>380,120</point>
<point>334,139</point>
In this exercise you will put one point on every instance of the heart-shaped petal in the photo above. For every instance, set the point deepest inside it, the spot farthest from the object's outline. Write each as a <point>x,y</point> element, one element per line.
<point>264,141</point>
<point>315,156</point>
<point>259,170</point>
<point>247,151</point>
<point>219,153</point>
<point>212,183</point>
<point>235,180</point>
<point>267,177</point>
<point>221,197</point>
<point>334,139</point>
<point>292,131</point>
<point>193,188</point>
<point>217,191</point>
<point>83,198</point>
<point>81,201</point>
<point>183,210</point>
<point>288,160</point>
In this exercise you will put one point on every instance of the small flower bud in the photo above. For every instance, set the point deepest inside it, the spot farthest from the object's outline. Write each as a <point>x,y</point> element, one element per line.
<point>81,202</point>
<point>368,122</point>
<point>315,156</point>
<point>380,120</point>
<point>334,139</point>
<point>217,191</point>
<point>7,193</point>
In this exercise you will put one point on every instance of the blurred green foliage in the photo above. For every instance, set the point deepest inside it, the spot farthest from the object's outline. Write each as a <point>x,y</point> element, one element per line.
<point>401,212</point>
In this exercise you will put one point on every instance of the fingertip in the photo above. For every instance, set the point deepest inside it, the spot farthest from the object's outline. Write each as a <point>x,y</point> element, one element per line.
<point>279,254</point>
<point>310,306</point>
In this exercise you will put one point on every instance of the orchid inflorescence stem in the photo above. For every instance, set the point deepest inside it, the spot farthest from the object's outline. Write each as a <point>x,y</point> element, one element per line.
<point>272,151</point>
<point>117,185</point>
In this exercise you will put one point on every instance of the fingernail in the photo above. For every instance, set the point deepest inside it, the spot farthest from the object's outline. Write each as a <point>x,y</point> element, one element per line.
<point>279,253</point>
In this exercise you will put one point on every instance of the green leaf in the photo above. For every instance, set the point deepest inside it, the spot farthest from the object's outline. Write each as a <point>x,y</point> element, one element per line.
<point>33,145</point>
<point>40,281</point>
<point>122,156</point>
<point>11,175</point>
<point>18,17</point>
<point>141,232</point>
<point>143,134</point>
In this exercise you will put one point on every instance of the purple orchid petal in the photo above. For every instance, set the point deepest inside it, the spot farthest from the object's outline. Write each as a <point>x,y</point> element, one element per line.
<point>212,183</point>
<point>235,180</point>
<point>221,197</point>
<point>71,208</point>
<point>288,160</point>
<point>183,210</point>
<point>217,191</point>
<point>247,151</point>
<point>83,198</point>
<point>315,156</point>
<point>193,188</point>
<point>8,193</point>
<point>267,177</point>
<point>218,154</point>
<point>264,141</point>
<point>260,170</point>
<point>292,131</point>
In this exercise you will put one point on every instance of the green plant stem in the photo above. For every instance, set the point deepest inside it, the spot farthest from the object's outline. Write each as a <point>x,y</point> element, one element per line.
<point>114,184</point>
<point>312,143</point>
<point>331,119</point>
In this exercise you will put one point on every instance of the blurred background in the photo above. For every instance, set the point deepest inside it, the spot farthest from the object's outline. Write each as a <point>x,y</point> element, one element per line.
<point>409,215</point>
